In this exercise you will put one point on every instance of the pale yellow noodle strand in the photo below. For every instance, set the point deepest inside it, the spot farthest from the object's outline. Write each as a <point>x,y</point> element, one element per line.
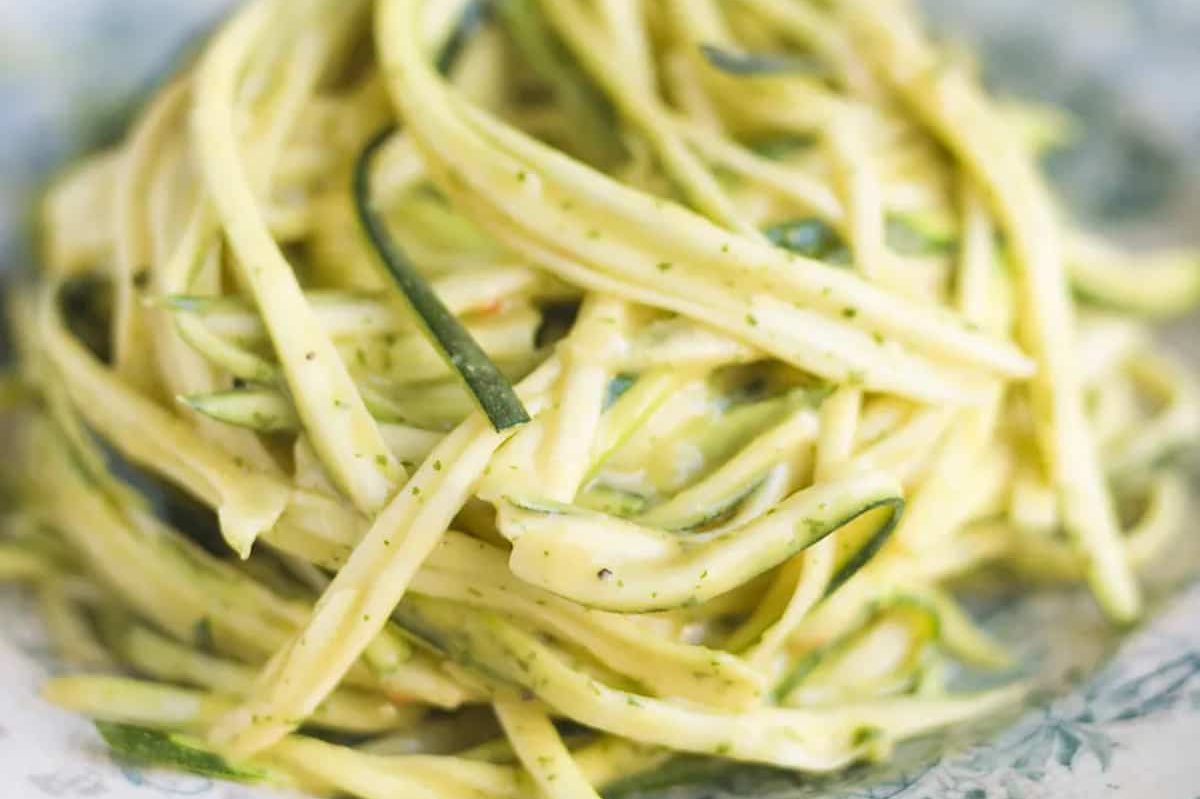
<point>329,404</point>
<point>132,237</point>
<point>810,573</point>
<point>542,751</point>
<point>357,604</point>
<point>950,105</point>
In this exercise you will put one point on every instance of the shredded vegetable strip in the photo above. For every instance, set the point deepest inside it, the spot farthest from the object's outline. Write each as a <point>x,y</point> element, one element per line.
<point>951,106</point>
<point>329,403</point>
<point>132,238</point>
<point>542,751</point>
<point>482,378</point>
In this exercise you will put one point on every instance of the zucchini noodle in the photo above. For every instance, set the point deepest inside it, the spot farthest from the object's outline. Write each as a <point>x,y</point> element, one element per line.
<point>647,386</point>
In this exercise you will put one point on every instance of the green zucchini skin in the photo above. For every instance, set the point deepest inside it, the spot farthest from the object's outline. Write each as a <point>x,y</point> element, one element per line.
<point>811,238</point>
<point>552,550</point>
<point>155,748</point>
<point>262,410</point>
<point>758,64</point>
<point>470,22</point>
<point>492,391</point>
<point>921,612</point>
<point>872,545</point>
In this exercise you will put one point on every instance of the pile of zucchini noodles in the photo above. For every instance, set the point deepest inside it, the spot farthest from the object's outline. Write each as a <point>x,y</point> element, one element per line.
<point>456,399</point>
